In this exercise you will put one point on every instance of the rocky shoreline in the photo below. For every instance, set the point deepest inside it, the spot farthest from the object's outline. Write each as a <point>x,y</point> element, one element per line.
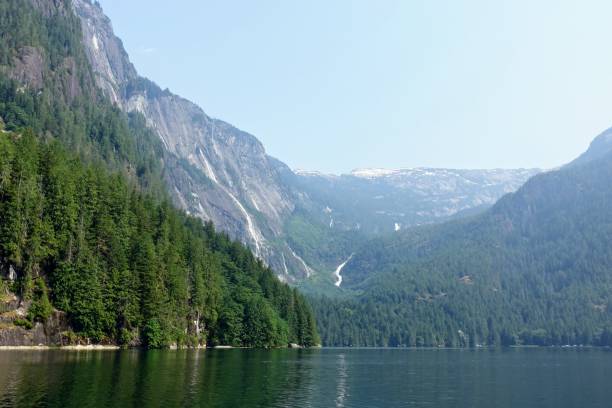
<point>55,333</point>
<point>74,348</point>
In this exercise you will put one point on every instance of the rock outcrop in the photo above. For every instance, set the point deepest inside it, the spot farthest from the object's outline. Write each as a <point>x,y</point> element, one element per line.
<point>241,192</point>
<point>12,311</point>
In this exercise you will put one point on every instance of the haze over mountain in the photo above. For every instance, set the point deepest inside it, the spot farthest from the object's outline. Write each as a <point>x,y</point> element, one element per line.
<point>533,269</point>
<point>225,175</point>
<point>388,84</point>
<point>376,201</point>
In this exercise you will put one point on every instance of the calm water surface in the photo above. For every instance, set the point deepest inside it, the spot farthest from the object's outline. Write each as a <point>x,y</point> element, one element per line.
<point>307,378</point>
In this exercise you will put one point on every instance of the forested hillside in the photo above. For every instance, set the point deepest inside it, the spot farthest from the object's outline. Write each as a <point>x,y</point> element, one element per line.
<point>85,222</point>
<point>337,214</point>
<point>536,269</point>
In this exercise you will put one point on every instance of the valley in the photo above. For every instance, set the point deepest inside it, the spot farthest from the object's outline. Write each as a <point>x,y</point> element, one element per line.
<point>224,175</point>
<point>305,204</point>
<point>407,257</point>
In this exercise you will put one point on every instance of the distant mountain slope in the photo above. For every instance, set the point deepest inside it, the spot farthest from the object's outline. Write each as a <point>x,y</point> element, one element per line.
<point>534,269</point>
<point>335,215</point>
<point>378,201</point>
<point>600,147</point>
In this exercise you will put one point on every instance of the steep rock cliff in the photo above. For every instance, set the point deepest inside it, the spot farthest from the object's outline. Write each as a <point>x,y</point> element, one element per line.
<point>240,191</point>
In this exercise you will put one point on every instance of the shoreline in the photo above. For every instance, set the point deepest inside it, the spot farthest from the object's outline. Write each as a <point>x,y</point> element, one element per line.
<point>99,347</point>
<point>74,348</point>
<point>96,347</point>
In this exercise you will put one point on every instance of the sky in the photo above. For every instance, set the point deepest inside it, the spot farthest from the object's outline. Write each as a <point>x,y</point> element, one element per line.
<point>337,85</point>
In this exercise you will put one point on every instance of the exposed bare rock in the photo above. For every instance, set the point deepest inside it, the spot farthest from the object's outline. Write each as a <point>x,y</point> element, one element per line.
<point>108,59</point>
<point>238,187</point>
<point>378,201</point>
<point>49,333</point>
<point>28,67</point>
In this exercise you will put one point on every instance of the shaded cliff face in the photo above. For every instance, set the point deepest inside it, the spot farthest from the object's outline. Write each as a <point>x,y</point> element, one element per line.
<point>30,65</point>
<point>50,333</point>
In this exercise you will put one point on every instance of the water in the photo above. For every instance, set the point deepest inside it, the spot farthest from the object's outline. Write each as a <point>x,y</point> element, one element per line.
<point>369,378</point>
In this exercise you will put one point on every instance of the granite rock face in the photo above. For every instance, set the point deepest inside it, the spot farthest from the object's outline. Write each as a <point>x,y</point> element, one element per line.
<point>28,67</point>
<point>50,333</point>
<point>242,193</point>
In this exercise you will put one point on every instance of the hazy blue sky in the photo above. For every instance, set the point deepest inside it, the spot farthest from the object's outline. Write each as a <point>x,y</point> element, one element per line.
<point>334,85</point>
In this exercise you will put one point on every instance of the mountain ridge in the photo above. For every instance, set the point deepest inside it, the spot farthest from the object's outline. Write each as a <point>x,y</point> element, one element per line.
<point>531,270</point>
<point>599,147</point>
<point>223,173</point>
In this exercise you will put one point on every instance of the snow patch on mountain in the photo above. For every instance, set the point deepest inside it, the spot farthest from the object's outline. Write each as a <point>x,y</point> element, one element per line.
<point>312,173</point>
<point>372,173</point>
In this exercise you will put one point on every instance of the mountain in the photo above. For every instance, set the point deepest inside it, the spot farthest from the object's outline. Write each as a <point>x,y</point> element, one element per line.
<point>227,177</point>
<point>600,147</point>
<point>224,175</point>
<point>378,201</point>
<point>533,269</point>
<point>335,215</point>
<point>91,249</point>
<point>105,180</point>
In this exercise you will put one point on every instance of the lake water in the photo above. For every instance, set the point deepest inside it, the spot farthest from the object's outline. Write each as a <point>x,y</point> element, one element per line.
<point>308,378</point>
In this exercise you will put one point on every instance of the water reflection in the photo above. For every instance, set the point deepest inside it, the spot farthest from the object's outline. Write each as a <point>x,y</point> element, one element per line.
<point>341,378</point>
<point>306,378</point>
<point>156,378</point>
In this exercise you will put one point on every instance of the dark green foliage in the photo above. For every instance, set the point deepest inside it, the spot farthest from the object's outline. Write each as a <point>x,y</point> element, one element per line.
<point>26,324</point>
<point>83,210</point>
<point>125,266</point>
<point>322,247</point>
<point>67,105</point>
<point>40,309</point>
<point>534,270</point>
